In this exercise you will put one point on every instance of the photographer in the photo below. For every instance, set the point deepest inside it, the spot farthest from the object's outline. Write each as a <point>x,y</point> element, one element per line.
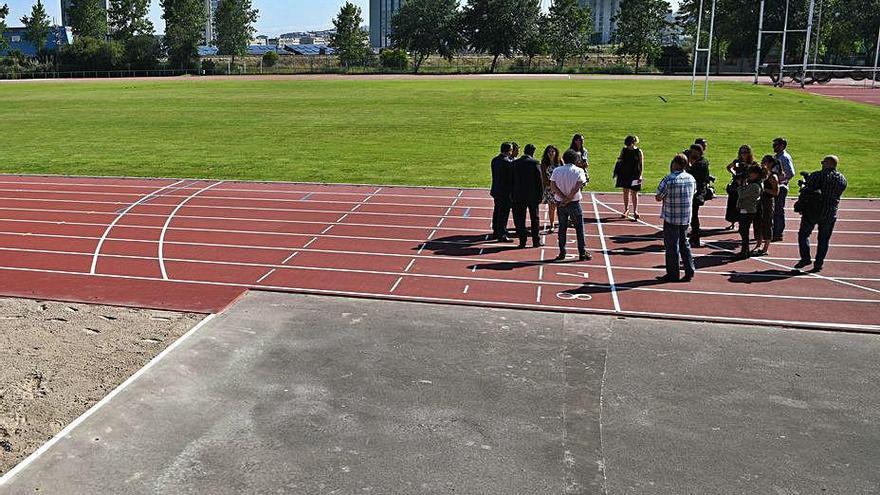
<point>698,167</point>
<point>818,204</point>
<point>739,173</point>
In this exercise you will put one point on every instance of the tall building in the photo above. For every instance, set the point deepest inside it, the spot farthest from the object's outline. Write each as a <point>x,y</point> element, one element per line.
<point>380,21</point>
<point>603,11</point>
<point>210,9</point>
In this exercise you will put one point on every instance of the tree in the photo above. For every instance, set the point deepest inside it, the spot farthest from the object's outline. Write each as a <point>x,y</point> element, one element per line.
<point>499,27</point>
<point>569,27</point>
<point>142,52</point>
<point>640,25</point>
<point>234,26</point>
<point>350,41</point>
<point>534,42</point>
<point>426,27</point>
<point>184,22</point>
<point>270,59</point>
<point>4,11</point>
<point>36,27</point>
<point>88,18</point>
<point>129,18</point>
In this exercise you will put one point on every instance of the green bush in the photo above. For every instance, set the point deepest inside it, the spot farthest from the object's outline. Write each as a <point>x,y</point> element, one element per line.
<point>270,59</point>
<point>142,52</point>
<point>396,59</point>
<point>92,54</point>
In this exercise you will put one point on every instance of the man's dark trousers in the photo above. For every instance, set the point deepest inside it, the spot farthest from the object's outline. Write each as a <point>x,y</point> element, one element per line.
<point>695,224</point>
<point>779,212</point>
<point>676,244</point>
<point>826,228</point>
<point>519,220</point>
<point>500,216</point>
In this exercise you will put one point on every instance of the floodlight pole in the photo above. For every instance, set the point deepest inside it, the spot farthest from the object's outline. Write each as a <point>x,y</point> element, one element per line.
<point>709,51</point>
<point>784,39</point>
<point>760,37</point>
<point>807,43</point>
<point>697,49</point>
<point>876,59</point>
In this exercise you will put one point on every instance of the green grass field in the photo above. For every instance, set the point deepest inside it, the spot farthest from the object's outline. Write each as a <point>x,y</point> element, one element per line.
<point>425,132</point>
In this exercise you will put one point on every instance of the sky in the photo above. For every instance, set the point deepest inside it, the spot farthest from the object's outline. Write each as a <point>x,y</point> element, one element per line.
<point>276,16</point>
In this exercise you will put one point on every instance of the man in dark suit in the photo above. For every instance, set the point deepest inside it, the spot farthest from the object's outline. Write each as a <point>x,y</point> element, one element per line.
<point>528,189</point>
<point>502,183</point>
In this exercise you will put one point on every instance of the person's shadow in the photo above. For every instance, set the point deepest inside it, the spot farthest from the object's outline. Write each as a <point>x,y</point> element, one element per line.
<point>594,289</point>
<point>463,245</point>
<point>763,276</point>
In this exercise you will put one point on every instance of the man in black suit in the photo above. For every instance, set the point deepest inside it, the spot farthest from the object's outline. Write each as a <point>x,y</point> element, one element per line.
<point>502,183</point>
<point>528,189</point>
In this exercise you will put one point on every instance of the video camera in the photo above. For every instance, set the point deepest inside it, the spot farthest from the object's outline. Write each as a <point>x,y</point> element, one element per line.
<point>802,183</point>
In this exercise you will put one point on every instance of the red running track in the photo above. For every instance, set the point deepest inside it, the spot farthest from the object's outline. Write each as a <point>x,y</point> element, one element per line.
<point>196,245</point>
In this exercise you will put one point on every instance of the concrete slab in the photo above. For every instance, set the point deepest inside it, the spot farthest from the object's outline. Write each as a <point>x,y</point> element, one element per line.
<point>304,394</point>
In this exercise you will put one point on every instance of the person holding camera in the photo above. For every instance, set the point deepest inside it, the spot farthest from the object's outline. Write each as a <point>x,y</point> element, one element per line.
<point>785,171</point>
<point>698,168</point>
<point>748,202</point>
<point>764,217</point>
<point>824,189</point>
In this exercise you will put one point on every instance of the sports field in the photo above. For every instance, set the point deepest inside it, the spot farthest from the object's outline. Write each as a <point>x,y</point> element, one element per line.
<point>419,132</point>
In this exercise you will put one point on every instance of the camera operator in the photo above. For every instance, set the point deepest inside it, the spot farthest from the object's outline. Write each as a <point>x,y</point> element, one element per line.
<point>698,167</point>
<point>785,172</point>
<point>824,189</point>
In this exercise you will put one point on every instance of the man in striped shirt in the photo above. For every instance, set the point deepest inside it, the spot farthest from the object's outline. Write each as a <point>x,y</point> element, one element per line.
<point>676,192</point>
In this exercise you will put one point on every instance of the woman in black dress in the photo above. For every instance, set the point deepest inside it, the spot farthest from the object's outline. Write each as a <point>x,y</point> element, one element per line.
<point>628,171</point>
<point>764,218</point>
<point>739,176</point>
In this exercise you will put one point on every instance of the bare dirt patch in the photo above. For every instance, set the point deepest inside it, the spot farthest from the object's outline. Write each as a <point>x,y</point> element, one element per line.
<point>59,359</point>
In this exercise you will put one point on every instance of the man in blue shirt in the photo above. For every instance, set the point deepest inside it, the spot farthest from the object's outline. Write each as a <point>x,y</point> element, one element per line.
<point>785,172</point>
<point>676,192</point>
<point>831,184</point>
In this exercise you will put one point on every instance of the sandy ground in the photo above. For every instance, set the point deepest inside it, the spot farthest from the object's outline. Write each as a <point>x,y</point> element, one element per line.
<point>59,359</point>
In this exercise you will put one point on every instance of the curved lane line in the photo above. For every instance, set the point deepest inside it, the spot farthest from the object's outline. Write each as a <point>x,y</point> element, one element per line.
<point>168,222</point>
<point>153,194</point>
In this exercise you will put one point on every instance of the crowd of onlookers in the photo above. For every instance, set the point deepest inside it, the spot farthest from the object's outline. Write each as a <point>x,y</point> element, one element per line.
<point>757,194</point>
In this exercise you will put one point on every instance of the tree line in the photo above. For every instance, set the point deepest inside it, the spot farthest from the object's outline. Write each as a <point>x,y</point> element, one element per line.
<point>123,35</point>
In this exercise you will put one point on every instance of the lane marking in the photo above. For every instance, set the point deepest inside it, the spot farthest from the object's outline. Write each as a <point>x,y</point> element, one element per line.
<point>394,287</point>
<point>436,276</point>
<point>410,265</point>
<point>168,222</point>
<point>767,260</point>
<point>264,277</point>
<point>292,255</point>
<point>835,326</point>
<point>116,220</point>
<point>538,299</point>
<point>68,430</point>
<point>466,289</point>
<point>605,254</point>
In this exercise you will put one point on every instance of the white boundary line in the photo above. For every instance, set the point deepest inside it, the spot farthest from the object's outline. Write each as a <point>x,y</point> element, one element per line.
<point>168,222</point>
<point>116,220</point>
<point>777,265</point>
<point>6,478</point>
<point>605,254</point>
<point>692,318</point>
<point>425,276</point>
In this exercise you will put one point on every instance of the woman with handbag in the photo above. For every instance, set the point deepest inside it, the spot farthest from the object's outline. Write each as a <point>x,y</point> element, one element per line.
<point>549,161</point>
<point>628,172</point>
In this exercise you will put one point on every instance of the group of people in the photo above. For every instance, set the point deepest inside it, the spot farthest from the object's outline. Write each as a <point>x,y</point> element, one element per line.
<point>756,198</point>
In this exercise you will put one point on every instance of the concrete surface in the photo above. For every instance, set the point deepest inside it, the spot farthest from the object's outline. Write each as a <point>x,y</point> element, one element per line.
<point>314,395</point>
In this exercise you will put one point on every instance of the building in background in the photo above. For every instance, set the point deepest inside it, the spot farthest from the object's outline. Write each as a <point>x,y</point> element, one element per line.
<point>603,11</point>
<point>380,21</point>
<point>16,38</point>
<point>211,9</point>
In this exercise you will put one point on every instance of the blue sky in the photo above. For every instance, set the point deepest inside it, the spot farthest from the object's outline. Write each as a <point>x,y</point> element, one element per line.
<point>276,16</point>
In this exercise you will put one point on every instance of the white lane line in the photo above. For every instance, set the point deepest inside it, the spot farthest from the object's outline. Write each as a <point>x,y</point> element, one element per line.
<point>264,277</point>
<point>67,430</point>
<point>394,287</point>
<point>168,222</point>
<point>292,255</point>
<point>326,230</point>
<point>119,217</point>
<point>446,277</point>
<point>541,266</point>
<point>767,260</point>
<point>310,242</point>
<point>538,299</point>
<point>605,254</point>
<point>466,289</point>
<point>410,265</point>
<point>836,326</point>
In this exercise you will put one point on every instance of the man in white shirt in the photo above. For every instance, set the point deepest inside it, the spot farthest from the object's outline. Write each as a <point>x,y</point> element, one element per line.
<point>785,172</point>
<point>566,183</point>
